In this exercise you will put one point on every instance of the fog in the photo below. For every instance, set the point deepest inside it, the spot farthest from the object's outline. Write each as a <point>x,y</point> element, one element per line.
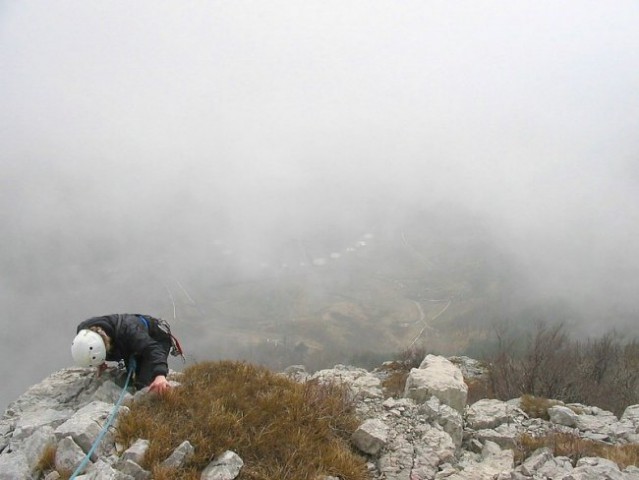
<point>142,141</point>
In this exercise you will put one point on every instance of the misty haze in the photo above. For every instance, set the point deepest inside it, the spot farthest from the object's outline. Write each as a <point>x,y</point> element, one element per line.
<point>316,182</point>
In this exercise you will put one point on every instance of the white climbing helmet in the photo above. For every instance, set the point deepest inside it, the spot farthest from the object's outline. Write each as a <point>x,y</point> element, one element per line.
<point>88,349</point>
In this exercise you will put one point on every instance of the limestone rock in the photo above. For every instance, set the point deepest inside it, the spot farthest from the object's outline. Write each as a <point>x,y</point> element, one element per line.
<point>448,418</point>
<point>226,466</point>
<point>68,455</point>
<point>562,415</point>
<point>488,413</point>
<point>101,470</point>
<point>13,465</point>
<point>362,383</point>
<point>437,376</point>
<point>371,436</point>
<point>180,455</point>
<point>129,467</point>
<point>137,451</point>
<point>85,425</point>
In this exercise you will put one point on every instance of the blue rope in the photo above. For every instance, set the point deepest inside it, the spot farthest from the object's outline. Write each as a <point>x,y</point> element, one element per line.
<point>106,426</point>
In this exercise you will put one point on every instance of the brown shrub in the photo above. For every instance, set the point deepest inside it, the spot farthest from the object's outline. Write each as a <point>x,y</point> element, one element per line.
<point>478,388</point>
<point>397,370</point>
<point>537,407</point>
<point>46,462</point>
<point>280,428</point>
<point>394,384</point>
<point>395,375</point>
<point>546,363</point>
<point>575,447</point>
<point>412,357</point>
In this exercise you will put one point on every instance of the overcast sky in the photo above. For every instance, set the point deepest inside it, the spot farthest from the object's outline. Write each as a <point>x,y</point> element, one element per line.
<point>249,118</point>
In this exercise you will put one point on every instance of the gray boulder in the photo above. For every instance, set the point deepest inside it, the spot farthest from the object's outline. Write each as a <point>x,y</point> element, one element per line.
<point>226,466</point>
<point>137,451</point>
<point>68,455</point>
<point>437,376</point>
<point>493,463</point>
<point>85,426</point>
<point>362,383</point>
<point>448,418</point>
<point>488,413</point>
<point>101,470</point>
<point>14,465</point>
<point>129,467</point>
<point>371,436</point>
<point>180,455</point>
<point>562,415</point>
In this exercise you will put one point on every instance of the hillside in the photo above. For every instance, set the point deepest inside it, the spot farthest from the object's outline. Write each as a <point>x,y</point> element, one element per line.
<point>417,281</point>
<point>233,420</point>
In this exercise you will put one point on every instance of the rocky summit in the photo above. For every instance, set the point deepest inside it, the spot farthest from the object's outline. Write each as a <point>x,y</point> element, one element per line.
<point>427,432</point>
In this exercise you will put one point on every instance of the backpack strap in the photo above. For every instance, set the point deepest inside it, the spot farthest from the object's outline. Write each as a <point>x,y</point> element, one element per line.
<point>118,324</point>
<point>145,321</point>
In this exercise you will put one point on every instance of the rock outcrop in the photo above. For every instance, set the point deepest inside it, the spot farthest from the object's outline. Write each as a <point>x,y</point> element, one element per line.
<point>428,433</point>
<point>438,377</point>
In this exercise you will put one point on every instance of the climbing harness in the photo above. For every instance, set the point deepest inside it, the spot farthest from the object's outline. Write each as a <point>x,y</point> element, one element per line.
<point>106,426</point>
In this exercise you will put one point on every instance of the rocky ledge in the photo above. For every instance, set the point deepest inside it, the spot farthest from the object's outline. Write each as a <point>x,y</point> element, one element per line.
<point>429,432</point>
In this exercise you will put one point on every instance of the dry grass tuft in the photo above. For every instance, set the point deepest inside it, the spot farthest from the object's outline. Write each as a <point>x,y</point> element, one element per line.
<point>537,407</point>
<point>396,373</point>
<point>46,462</point>
<point>165,473</point>
<point>478,388</point>
<point>280,428</point>
<point>413,357</point>
<point>575,447</point>
<point>395,384</point>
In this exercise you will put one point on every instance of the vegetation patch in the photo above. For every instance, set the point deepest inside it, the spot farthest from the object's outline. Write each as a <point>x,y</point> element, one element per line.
<point>478,389</point>
<point>537,407</point>
<point>46,462</point>
<point>396,371</point>
<point>395,375</point>
<point>280,428</point>
<point>546,363</point>
<point>574,447</point>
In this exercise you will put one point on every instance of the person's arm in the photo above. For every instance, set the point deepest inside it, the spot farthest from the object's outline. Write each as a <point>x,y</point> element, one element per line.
<point>151,355</point>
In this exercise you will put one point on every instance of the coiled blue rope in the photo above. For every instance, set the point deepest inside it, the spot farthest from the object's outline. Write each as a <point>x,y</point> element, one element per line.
<point>106,426</point>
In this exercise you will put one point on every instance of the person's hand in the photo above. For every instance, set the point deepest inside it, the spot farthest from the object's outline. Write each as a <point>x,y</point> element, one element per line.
<point>159,385</point>
<point>102,368</point>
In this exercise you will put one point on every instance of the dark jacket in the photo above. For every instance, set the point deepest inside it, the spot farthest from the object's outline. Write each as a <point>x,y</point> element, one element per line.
<point>130,336</point>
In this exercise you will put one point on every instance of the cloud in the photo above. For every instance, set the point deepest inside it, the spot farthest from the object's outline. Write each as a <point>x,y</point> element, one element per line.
<point>132,132</point>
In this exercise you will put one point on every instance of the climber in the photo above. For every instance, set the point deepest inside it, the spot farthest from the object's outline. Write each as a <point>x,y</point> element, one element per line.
<point>120,337</point>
